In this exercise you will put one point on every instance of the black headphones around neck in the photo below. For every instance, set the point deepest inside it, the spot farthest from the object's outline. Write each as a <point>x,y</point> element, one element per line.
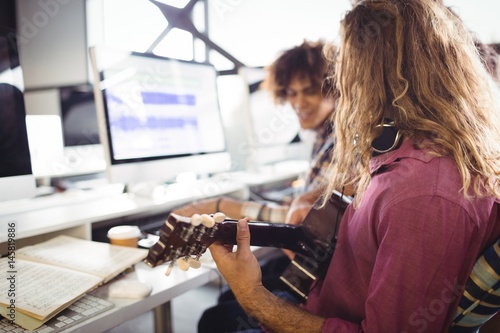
<point>388,140</point>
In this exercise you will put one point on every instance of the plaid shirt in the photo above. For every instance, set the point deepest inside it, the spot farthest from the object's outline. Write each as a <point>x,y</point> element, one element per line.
<point>321,156</point>
<point>320,160</point>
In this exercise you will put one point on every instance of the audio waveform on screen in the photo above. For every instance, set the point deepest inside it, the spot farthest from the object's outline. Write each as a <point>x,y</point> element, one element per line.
<point>131,123</point>
<point>161,98</point>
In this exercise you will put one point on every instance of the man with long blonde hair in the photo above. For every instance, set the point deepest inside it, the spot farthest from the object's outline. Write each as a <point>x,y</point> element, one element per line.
<point>426,206</point>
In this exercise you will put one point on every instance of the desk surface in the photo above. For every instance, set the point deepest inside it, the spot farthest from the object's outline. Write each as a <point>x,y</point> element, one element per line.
<point>33,220</point>
<point>165,288</point>
<point>62,212</point>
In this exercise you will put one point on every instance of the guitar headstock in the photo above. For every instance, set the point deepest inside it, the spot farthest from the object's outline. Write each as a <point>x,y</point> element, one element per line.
<point>184,240</point>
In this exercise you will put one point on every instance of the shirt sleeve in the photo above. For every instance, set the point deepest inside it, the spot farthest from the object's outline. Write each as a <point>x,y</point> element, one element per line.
<point>273,214</point>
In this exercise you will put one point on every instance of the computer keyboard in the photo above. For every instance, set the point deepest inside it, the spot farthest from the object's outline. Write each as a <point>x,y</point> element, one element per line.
<point>85,308</point>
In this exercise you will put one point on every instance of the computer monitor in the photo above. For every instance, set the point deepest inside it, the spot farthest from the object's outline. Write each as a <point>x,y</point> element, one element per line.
<point>158,117</point>
<point>83,151</point>
<point>16,178</point>
<point>276,134</point>
<point>78,116</point>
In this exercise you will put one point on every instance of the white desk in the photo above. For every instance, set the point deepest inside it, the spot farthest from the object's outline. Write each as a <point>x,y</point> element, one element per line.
<point>74,213</point>
<point>165,288</point>
<point>73,216</point>
<point>35,222</point>
<point>43,218</point>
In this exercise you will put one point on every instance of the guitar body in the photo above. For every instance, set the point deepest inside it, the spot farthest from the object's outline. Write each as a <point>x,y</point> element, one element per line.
<point>322,224</point>
<point>313,242</point>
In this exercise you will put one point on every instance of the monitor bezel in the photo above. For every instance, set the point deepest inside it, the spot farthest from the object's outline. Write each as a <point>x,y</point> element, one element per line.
<point>21,185</point>
<point>156,168</point>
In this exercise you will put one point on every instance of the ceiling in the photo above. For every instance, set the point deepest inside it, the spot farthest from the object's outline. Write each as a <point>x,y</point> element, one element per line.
<point>256,31</point>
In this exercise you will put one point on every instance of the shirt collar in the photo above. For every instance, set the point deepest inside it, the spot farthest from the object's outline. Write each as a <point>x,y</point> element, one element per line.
<point>406,150</point>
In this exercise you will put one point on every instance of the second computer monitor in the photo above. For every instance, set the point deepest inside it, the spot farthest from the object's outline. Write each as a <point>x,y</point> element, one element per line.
<point>158,117</point>
<point>16,177</point>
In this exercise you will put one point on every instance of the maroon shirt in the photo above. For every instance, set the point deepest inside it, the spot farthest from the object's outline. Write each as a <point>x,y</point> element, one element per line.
<point>403,254</point>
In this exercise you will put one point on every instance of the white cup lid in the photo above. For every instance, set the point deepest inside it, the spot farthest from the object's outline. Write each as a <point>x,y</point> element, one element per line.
<point>124,232</point>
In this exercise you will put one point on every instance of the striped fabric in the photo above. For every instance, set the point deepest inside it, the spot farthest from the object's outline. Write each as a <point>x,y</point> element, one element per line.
<point>481,298</point>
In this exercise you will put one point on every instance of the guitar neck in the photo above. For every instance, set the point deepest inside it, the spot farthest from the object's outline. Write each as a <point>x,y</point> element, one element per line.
<point>285,236</point>
<point>181,238</point>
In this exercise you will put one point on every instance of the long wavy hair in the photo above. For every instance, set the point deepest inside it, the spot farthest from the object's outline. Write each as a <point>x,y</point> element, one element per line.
<point>414,62</point>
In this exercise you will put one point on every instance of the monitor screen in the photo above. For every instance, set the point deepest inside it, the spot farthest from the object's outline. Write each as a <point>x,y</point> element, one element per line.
<point>158,117</point>
<point>78,116</point>
<point>16,179</point>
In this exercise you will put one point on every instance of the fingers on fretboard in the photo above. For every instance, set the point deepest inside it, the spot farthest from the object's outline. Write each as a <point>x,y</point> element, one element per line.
<point>188,256</point>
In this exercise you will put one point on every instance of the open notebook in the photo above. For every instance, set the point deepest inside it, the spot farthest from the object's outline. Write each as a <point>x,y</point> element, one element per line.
<point>45,278</point>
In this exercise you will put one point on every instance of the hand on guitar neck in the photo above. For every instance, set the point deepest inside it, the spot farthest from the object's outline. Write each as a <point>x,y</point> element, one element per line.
<point>302,204</point>
<point>184,240</point>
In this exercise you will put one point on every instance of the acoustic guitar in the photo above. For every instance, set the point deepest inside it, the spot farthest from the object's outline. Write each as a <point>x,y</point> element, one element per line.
<point>184,240</point>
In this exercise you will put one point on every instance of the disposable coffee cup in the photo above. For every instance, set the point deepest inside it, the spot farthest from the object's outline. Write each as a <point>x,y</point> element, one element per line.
<point>124,235</point>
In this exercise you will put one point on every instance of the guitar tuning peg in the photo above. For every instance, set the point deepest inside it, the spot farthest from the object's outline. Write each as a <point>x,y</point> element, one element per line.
<point>194,263</point>
<point>183,264</point>
<point>196,220</point>
<point>219,217</point>
<point>207,220</point>
<point>169,269</point>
